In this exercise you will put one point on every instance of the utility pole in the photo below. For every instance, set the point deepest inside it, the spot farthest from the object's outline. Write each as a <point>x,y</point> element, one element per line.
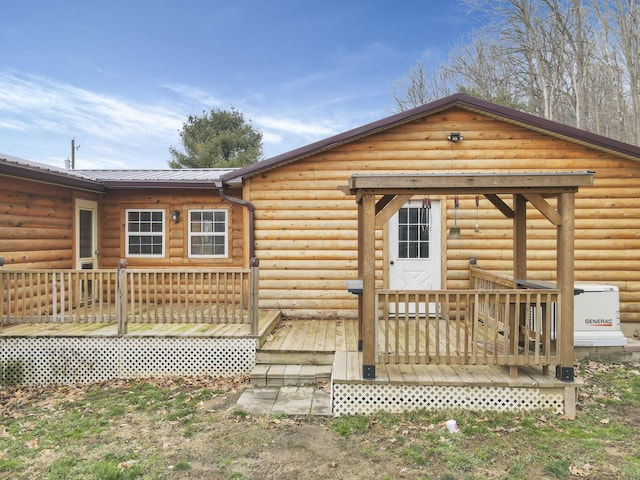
<point>73,153</point>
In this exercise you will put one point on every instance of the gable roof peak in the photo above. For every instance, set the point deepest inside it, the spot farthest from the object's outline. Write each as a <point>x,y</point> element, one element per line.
<point>458,100</point>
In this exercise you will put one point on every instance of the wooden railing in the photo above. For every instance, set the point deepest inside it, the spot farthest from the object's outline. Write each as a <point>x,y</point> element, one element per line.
<point>486,280</point>
<point>498,327</point>
<point>129,296</point>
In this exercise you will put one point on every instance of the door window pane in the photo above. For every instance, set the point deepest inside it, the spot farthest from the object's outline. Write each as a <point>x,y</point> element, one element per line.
<point>413,232</point>
<point>86,233</point>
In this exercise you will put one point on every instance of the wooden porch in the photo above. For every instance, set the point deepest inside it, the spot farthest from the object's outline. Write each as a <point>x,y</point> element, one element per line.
<point>425,341</point>
<point>296,345</point>
<point>303,347</point>
<point>142,300</point>
<point>304,338</point>
<point>267,319</point>
<point>378,198</point>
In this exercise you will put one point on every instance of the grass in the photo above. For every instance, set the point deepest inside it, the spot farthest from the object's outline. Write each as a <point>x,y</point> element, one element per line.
<point>151,430</point>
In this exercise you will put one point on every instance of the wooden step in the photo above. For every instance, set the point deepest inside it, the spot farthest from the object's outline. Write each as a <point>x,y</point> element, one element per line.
<point>277,375</point>
<point>285,357</point>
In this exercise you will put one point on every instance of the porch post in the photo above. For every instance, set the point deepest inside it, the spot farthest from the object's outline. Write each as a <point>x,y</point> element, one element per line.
<point>360,246</point>
<point>519,237</point>
<point>2,296</point>
<point>121,297</point>
<point>565,275</point>
<point>519,269</point>
<point>368,233</point>
<point>253,295</point>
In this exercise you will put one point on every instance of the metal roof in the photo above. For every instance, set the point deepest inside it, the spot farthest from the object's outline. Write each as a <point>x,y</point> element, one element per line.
<point>465,102</point>
<point>41,172</point>
<point>101,180</point>
<point>167,178</point>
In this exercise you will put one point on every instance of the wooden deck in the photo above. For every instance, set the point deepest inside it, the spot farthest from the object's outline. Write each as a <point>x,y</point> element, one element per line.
<point>341,337</point>
<point>347,368</point>
<point>267,319</point>
<point>313,336</point>
<point>333,344</point>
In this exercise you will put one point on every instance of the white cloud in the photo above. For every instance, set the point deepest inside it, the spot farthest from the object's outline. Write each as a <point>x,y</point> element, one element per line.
<point>294,127</point>
<point>55,107</point>
<point>193,93</point>
<point>40,116</point>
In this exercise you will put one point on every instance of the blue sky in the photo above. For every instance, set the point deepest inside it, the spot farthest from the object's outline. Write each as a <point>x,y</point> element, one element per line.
<point>121,77</point>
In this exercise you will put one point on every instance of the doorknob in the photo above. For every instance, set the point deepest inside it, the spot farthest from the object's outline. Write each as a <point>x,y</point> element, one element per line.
<point>390,262</point>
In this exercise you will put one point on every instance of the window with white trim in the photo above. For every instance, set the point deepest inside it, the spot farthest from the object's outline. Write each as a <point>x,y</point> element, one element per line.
<point>145,233</point>
<point>208,233</point>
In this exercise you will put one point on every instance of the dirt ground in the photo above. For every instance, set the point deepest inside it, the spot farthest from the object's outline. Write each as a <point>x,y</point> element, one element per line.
<point>221,442</point>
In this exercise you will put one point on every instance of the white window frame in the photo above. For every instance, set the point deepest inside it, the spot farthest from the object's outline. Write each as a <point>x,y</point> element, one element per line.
<point>129,234</point>
<point>224,235</point>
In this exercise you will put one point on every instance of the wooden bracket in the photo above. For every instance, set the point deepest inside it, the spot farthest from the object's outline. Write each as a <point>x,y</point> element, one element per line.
<point>390,207</point>
<point>500,205</point>
<point>544,207</point>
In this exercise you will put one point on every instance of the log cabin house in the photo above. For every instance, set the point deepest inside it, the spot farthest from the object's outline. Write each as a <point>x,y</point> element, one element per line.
<point>554,204</point>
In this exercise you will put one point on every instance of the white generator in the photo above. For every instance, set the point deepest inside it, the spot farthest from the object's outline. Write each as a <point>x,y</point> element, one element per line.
<point>596,316</point>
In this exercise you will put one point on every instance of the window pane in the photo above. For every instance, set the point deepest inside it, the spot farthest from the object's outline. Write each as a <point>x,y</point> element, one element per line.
<point>149,222</point>
<point>413,233</point>
<point>86,233</point>
<point>413,215</point>
<point>208,233</point>
<point>402,215</point>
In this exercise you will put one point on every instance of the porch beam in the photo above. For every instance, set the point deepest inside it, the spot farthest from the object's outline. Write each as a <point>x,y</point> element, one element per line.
<point>473,182</point>
<point>368,232</point>
<point>433,191</point>
<point>385,213</point>
<point>565,275</point>
<point>544,207</point>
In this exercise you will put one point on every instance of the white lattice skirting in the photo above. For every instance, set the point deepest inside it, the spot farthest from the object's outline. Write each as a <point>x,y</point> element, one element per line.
<point>365,399</point>
<point>64,360</point>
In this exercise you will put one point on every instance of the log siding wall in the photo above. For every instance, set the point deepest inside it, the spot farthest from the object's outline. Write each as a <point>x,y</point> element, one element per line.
<point>306,229</point>
<point>112,225</point>
<point>36,224</point>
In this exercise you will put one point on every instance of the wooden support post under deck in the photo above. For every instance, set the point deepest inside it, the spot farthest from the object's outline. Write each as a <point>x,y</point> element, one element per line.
<point>565,276</point>
<point>368,233</point>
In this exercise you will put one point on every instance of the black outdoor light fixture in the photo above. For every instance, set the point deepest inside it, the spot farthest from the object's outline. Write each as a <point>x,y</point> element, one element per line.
<point>455,137</point>
<point>175,215</point>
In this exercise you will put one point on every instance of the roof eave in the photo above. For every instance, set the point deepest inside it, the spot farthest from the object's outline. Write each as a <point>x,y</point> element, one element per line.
<point>191,185</point>
<point>466,102</point>
<point>62,179</point>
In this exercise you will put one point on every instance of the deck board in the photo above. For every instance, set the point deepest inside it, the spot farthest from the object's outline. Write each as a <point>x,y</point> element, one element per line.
<point>175,329</point>
<point>348,369</point>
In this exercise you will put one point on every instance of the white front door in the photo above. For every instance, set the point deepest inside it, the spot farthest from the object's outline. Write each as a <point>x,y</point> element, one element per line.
<point>414,247</point>
<point>86,234</point>
<point>86,243</point>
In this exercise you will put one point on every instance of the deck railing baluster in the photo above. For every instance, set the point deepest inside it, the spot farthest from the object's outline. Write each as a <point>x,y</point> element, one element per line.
<point>491,327</point>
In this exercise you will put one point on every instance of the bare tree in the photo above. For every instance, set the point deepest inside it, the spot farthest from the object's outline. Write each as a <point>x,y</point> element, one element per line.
<point>620,22</point>
<point>573,61</point>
